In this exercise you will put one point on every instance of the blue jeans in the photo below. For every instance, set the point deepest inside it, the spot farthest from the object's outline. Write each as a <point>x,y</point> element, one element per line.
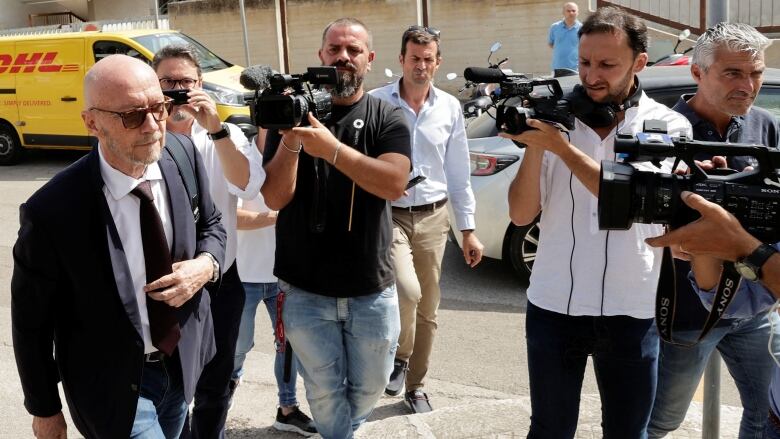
<point>625,354</point>
<point>743,346</point>
<point>345,347</point>
<point>267,292</point>
<point>161,408</point>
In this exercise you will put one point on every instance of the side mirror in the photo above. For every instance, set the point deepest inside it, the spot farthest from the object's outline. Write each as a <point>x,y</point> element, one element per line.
<point>684,34</point>
<point>451,76</point>
<point>494,48</point>
<point>388,73</point>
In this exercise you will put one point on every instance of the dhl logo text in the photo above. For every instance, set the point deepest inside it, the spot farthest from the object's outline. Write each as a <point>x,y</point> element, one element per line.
<point>28,62</point>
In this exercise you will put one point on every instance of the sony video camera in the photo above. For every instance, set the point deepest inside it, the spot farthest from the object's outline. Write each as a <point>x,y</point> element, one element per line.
<point>628,195</point>
<point>282,101</point>
<point>522,98</point>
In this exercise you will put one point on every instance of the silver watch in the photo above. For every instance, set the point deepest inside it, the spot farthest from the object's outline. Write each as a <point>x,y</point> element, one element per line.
<point>214,266</point>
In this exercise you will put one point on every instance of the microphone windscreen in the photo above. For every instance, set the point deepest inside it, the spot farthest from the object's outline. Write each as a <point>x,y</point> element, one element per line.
<point>256,77</point>
<point>483,74</point>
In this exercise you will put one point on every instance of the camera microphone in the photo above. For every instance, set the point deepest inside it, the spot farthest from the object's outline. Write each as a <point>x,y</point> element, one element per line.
<point>484,74</point>
<point>256,77</point>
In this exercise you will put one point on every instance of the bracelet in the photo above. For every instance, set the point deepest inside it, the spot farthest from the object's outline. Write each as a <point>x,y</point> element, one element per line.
<point>294,151</point>
<point>336,154</point>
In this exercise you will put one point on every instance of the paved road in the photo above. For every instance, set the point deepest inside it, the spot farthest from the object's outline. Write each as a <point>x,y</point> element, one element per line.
<point>479,355</point>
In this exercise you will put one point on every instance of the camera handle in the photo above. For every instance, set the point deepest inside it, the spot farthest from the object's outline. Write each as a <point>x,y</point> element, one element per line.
<point>666,298</point>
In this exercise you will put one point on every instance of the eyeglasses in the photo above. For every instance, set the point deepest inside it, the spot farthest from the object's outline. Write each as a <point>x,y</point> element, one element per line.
<point>170,83</point>
<point>135,118</point>
<point>430,30</point>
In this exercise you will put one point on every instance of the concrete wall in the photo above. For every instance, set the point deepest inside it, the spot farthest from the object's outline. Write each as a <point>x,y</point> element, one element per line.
<point>16,15</point>
<point>113,10</point>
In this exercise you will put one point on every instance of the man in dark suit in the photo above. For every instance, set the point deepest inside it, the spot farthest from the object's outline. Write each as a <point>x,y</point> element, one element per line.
<point>83,282</point>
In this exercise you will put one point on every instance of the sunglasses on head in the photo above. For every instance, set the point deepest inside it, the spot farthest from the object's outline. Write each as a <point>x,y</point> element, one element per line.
<point>135,118</point>
<point>430,30</point>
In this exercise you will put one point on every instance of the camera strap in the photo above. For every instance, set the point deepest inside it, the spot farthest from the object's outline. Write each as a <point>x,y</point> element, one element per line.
<point>666,299</point>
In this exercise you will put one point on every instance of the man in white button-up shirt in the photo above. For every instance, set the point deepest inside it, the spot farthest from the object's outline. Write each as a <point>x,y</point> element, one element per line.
<point>591,292</point>
<point>234,170</point>
<point>420,219</point>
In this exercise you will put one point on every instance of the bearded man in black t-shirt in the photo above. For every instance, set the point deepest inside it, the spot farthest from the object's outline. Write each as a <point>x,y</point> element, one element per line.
<point>331,184</point>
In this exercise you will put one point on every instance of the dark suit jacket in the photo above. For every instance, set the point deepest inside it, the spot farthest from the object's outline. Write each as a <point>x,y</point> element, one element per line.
<point>72,290</point>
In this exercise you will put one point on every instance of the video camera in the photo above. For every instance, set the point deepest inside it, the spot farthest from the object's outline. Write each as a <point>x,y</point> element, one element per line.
<point>628,195</point>
<point>520,99</point>
<point>282,101</point>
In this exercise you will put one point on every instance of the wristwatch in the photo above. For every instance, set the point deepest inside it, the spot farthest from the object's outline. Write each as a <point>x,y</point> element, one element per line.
<point>749,267</point>
<point>214,266</point>
<point>221,134</point>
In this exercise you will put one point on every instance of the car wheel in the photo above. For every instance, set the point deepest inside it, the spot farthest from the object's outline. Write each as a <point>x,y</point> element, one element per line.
<point>10,148</point>
<point>522,242</point>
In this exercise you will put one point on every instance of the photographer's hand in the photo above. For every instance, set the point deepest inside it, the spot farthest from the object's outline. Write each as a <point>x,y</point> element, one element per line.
<point>717,233</point>
<point>203,109</point>
<point>317,139</point>
<point>548,137</point>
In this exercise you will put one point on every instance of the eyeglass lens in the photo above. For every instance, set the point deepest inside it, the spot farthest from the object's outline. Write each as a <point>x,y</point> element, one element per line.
<point>168,83</point>
<point>135,118</point>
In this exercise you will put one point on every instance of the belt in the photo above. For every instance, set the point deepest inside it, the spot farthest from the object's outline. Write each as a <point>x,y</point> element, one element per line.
<point>424,207</point>
<point>154,357</point>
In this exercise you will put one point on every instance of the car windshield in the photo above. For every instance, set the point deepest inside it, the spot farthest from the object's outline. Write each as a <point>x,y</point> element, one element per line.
<point>208,61</point>
<point>769,99</point>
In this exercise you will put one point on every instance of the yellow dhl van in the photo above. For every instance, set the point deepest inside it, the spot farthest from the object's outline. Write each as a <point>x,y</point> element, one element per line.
<point>41,84</point>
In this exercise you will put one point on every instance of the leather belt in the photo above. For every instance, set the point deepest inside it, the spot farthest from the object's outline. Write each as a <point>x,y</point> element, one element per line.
<point>430,207</point>
<point>154,357</point>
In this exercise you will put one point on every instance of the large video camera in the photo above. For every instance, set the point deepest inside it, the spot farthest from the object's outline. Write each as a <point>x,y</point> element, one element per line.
<point>522,98</point>
<point>282,101</point>
<point>628,195</point>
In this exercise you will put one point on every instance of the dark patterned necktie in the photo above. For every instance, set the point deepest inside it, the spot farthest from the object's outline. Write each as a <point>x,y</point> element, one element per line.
<point>162,317</point>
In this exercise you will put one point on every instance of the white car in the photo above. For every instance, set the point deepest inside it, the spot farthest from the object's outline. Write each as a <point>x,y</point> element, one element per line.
<point>495,160</point>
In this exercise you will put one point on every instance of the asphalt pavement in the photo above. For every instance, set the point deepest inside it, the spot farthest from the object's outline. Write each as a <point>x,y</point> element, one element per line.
<point>478,381</point>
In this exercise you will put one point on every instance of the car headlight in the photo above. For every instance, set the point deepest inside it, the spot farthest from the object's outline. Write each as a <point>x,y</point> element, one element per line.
<point>224,95</point>
<point>489,164</point>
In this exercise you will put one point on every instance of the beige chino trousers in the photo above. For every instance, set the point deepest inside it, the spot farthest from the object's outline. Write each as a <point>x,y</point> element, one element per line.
<point>419,239</point>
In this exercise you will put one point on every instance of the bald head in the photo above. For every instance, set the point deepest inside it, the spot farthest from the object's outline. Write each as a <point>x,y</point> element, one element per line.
<point>114,78</point>
<point>570,12</point>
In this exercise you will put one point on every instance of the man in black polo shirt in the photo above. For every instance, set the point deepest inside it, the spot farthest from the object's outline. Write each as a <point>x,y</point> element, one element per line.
<point>727,64</point>
<point>333,234</point>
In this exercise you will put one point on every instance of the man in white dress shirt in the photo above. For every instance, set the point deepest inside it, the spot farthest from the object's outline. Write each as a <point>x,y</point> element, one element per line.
<point>420,219</point>
<point>234,170</point>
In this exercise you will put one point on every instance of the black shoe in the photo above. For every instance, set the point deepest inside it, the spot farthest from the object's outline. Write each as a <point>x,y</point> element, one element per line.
<point>417,401</point>
<point>296,421</point>
<point>397,378</point>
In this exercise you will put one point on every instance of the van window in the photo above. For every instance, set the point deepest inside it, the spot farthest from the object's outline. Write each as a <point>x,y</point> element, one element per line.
<point>208,61</point>
<point>103,49</point>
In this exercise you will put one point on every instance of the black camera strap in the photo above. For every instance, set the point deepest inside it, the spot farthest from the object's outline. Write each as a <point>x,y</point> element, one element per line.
<point>666,299</point>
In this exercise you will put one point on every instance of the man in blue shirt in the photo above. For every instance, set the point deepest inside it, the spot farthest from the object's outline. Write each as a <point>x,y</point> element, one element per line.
<point>728,63</point>
<point>564,41</point>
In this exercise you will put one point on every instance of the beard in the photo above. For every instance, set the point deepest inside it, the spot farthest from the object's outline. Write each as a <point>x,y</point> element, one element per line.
<point>180,115</point>
<point>619,92</point>
<point>349,82</point>
<point>132,156</point>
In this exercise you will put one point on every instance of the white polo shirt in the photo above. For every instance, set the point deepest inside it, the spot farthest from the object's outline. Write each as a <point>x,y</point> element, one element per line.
<point>579,269</point>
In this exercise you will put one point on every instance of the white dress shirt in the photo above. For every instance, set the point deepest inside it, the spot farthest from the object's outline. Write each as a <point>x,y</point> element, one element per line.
<point>224,193</point>
<point>125,210</point>
<point>579,269</point>
<point>440,152</point>
<point>256,247</point>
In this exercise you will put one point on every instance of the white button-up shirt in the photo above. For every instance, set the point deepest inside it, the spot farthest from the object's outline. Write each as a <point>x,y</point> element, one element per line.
<point>223,193</point>
<point>439,152</point>
<point>125,210</point>
<point>579,269</point>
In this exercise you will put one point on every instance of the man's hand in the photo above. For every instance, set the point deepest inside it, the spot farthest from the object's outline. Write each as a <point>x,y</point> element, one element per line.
<point>544,136</point>
<point>187,278</point>
<point>317,139</point>
<point>717,233</point>
<point>52,427</point>
<point>472,248</point>
<point>203,109</point>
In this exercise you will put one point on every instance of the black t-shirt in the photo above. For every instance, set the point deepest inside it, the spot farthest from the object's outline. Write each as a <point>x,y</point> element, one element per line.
<point>334,238</point>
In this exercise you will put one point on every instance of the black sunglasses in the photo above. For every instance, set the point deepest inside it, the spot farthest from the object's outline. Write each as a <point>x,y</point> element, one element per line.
<point>430,30</point>
<point>135,118</point>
